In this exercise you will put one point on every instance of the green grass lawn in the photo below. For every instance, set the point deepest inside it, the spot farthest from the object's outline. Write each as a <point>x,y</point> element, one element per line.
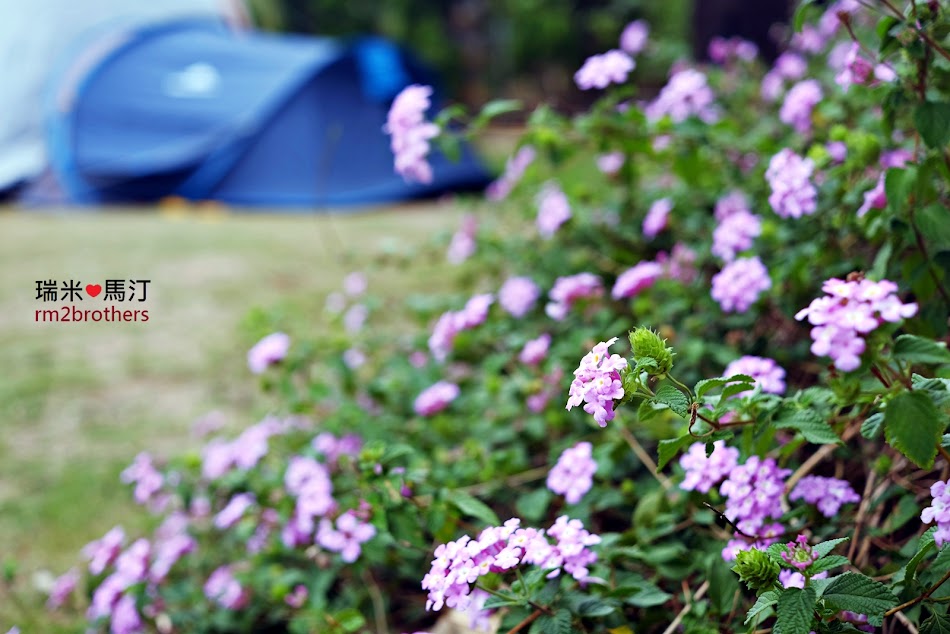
<point>79,400</point>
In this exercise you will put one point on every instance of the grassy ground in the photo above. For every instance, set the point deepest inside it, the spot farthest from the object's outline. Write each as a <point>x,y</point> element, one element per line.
<point>79,400</point>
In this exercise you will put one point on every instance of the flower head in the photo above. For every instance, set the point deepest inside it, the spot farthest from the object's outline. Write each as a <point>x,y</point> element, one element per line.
<point>573,474</point>
<point>268,351</point>
<point>599,71</point>
<point>411,133</point>
<point>634,37</point>
<point>738,285</point>
<point>597,383</point>
<point>793,194</point>
<point>436,398</point>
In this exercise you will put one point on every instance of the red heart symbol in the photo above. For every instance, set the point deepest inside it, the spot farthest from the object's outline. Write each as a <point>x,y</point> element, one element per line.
<point>93,289</point>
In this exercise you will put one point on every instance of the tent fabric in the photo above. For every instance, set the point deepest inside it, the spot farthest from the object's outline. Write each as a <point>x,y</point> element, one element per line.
<point>192,109</point>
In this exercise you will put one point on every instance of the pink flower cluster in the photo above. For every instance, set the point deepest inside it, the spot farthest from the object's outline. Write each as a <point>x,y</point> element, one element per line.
<point>828,494</point>
<point>411,133</point>
<point>597,383</point>
<point>874,198</point>
<point>702,472</point>
<point>788,66</point>
<point>599,71</point>
<point>573,474</point>
<point>799,103</point>
<point>553,209</point>
<point>567,290</point>
<point>799,554</point>
<point>631,282</point>
<point>268,351</point>
<point>498,549</point>
<point>535,350</point>
<point>611,162</point>
<point>687,94</point>
<point>679,264</point>
<point>753,494</point>
<point>939,511</point>
<point>435,398</point>
<point>657,217</point>
<point>346,537</point>
<point>220,456</point>
<point>793,194</point>
<point>518,295</point>
<point>857,69</point>
<point>768,374</point>
<point>451,323</point>
<point>738,285</point>
<point>848,311</point>
<point>514,171</point>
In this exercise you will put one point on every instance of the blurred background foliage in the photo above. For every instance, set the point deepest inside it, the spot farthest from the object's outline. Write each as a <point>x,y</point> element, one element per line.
<point>525,49</point>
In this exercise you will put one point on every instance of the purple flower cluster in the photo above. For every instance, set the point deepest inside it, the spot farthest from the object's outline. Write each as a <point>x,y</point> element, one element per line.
<point>518,295</point>
<point>789,66</point>
<point>225,590</point>
<point>573,474</point>
<point>611,162</point>
<point>679,264</point>
<point>597,383</point>
<point>514,171</point>
<point>463,245</point>
<point>235,509</point>
<point>553,209</point>
<point>634,37</point>
<point>848,311</point>
<point>703,473</point>
<point>567,290</point>
<point>535,350</point>
<point>939,511</point>
<point>268,351</point>
<point>459,564</point>
<point>687,94</point>
<point>874,198</point>
<point>63,586</point>
<point>309,482</point>
<point>799,554</point>
<point>738,285</point>
<point>735,233</point>
<point>828,494</point>
<point>148,481</point>
<point>857,69</point>
<point>411,133</point>
<point>657,217</point>
<point>244,452</point>
<point>634,280</point>
<point>793,194</point>
<point>725,50</point>
<point>799,103</point>
<point>768,374</point>
<point>346,537</point>
<point>599,71</point>
<point>753,494</point>
<point>551,387</point>
<point>452,323</point>
<point>435,398</point>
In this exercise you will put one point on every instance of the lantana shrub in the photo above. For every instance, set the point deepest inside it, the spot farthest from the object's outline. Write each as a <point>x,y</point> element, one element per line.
<point>694,377</point>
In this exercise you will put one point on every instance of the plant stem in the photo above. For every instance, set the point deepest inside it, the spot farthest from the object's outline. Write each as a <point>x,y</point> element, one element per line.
<point>916,600</point>
<point>525,623</point>
<point>645,458</point>
<point>689,606</point>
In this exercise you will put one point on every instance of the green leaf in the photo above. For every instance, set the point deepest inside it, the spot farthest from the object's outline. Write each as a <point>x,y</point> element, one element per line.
<point>914,426</point>
<point>933,122</point>
<point>920,350</point>
<point>796,607</point>
<point>646,410</point>
<point>736,388</point>
<point>859,594</point>
<point>593,608</point>
<point>533,505</point>
<point>498,107</point>
<point>898,183</point>
<point>495,601</point>
<point>823,548</point>
<point>708,384</point>
<point>873,426</point>
<point>811,426</point>
<point>827,563</point>
<point>936,624</point>
<point>558,623</point>
<point>798,20</point>
<point>764,602</point>
<point>649,596</point>
<point>473,507</point>
<point>667,449</point>
<point>924,546</point>
<point>674,399</point>
<point>933,226</point>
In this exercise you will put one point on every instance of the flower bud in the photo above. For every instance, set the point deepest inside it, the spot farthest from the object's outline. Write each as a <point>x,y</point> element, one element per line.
<point>646,344</point>
<point>756,569</point>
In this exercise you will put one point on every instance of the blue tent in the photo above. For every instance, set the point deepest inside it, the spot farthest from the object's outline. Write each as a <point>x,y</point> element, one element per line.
<point>192,109</point>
